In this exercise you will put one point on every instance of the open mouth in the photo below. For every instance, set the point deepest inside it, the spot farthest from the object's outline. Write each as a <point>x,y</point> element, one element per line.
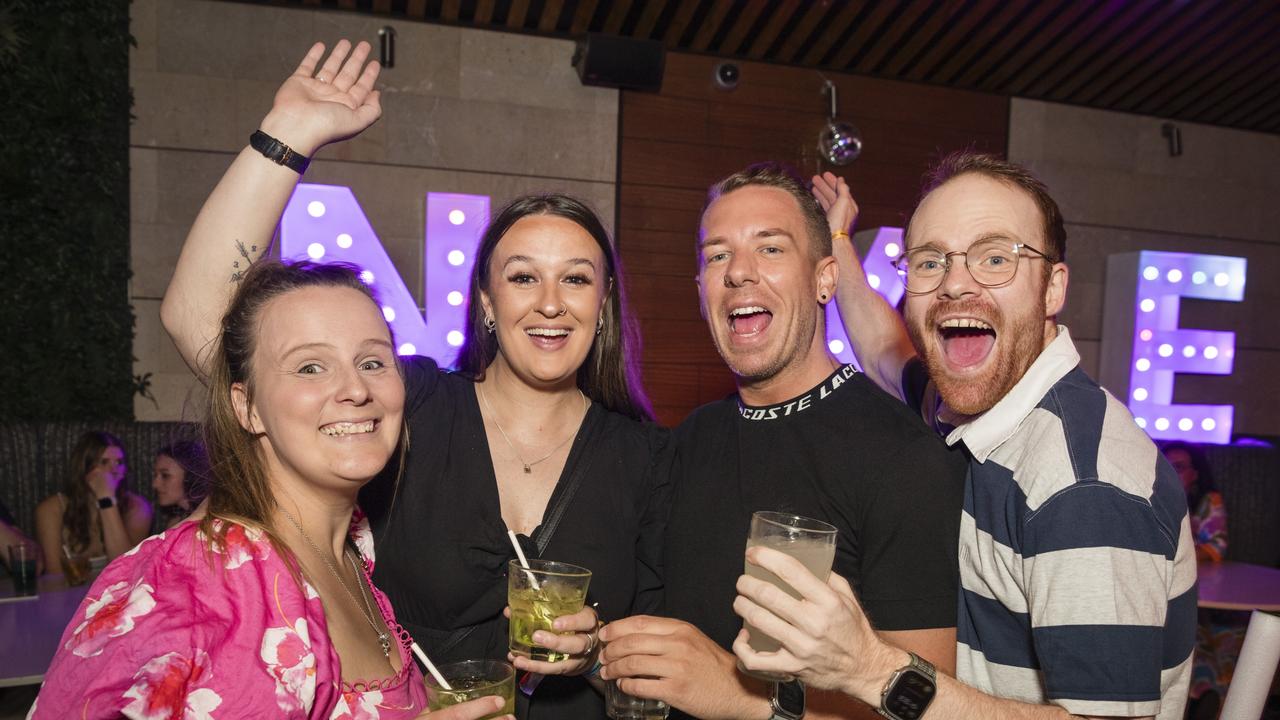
<point>548,338</point>
<point>750,320</point>
<point>966,342</point>
<point>340,429</point>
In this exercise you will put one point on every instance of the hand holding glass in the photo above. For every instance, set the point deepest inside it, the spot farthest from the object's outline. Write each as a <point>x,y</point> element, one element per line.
<point>812,542</point>
<point>471,680</point>
<point>539,594</point>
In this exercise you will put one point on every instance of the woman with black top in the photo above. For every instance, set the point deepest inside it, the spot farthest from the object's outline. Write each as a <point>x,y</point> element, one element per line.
<point>544,430</point>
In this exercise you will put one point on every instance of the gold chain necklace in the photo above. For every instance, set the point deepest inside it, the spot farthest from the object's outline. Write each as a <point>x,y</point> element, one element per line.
<point>528,466</point>
<point>384,639</point>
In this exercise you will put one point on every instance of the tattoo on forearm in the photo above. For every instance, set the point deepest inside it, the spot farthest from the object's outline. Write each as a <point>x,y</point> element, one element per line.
<point>246,256</point>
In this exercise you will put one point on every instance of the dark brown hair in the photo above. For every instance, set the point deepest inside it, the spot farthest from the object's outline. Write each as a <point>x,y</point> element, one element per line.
<point>785,178</point>
<point>967,162</point>
<point>610,375</point>
<point>76,517</point>
<point>239,490</point>
<point>194,461</point>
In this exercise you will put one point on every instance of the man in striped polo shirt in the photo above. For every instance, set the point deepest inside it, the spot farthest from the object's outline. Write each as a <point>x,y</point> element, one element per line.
<point>1077,567</point>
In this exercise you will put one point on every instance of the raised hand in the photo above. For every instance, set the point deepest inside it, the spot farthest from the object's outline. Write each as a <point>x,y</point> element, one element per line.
<point>103,481</point>
<point>835,198</point>
<point>315,107</point>
<point>826,639</point>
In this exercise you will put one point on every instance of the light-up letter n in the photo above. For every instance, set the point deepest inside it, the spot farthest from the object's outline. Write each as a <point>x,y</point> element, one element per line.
<point>326,223</point>
<point>886,245</point>
<point>1143,347</point>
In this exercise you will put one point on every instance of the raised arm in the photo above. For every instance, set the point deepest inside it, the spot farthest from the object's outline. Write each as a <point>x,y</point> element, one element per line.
<point>876,332</point>
<point>234,228</point>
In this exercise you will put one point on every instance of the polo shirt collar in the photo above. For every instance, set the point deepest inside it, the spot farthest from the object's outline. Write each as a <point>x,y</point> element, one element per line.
<point>982,434</point>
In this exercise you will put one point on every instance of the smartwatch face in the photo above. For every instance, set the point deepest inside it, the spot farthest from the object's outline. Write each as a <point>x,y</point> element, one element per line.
<point>791,698</point>
<point>911,695</point>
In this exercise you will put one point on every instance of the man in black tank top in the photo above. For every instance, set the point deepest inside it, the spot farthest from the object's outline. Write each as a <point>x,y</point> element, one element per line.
<point>803,435</point>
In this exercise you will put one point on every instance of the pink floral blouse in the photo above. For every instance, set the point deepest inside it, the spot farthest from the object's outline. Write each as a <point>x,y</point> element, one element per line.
<point>171,631</point>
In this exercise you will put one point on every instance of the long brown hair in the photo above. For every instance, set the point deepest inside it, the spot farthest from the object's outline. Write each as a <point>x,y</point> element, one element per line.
<point>239,490</point>
<point>77,518</point>
<point>610,375</point>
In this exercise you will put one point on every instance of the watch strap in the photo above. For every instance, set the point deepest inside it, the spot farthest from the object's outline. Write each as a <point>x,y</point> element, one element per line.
<point>106,502</point>
<point>278,153</point>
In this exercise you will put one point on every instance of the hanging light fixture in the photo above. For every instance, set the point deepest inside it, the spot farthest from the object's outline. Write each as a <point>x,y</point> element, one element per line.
<point>839,142</point>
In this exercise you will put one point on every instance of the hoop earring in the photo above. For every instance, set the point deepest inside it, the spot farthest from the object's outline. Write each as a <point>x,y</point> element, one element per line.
<point>490,323</point>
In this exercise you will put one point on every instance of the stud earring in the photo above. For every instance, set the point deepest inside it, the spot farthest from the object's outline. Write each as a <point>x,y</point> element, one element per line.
<point>600,324</point>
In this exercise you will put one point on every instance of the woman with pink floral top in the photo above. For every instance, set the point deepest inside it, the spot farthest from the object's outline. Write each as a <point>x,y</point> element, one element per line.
<point>261,604</point>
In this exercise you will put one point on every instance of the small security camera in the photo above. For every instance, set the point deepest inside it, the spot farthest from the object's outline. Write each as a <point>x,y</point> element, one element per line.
<point>727,75</point>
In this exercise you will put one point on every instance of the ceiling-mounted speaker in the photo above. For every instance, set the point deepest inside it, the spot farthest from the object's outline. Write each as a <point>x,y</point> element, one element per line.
<point>618,62</point>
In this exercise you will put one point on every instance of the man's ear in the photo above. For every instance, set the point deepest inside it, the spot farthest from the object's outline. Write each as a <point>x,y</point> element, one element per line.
<point>244,412</point>
<point>1055,290</point>
<point>828,277</point>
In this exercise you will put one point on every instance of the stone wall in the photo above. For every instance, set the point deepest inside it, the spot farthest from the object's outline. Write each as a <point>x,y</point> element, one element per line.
<point>1121,191</point>
<point>463,111</point>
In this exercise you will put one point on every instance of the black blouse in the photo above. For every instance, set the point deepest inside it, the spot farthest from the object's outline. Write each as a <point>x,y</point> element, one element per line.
<point>442,546</point>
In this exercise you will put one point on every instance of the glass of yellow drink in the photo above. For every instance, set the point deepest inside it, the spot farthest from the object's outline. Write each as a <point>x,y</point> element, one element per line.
<point>471,680</point>
<point>537,596</point>
<point>810,541</point>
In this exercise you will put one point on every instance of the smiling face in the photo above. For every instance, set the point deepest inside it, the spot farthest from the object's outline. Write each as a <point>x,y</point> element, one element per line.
<point>547,287</point>
<point>327,398</point>
<point>166,479</point>
<point>759,286</point>
<point>977,342</point>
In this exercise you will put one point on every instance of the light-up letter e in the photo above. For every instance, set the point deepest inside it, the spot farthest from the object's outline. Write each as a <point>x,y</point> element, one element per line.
<point>886,245</point>
<point>326,223</point>
<point>1143,347</point>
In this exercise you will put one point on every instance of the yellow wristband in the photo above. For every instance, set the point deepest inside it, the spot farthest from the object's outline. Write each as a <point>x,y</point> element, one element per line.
<point>839,234</point>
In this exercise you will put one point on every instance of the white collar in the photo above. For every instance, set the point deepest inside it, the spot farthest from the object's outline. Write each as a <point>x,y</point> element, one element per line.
<point>982,434</point>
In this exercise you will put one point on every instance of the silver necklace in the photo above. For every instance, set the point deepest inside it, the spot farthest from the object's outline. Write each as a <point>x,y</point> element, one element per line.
<point>528,466</point>
<point>384,639</point>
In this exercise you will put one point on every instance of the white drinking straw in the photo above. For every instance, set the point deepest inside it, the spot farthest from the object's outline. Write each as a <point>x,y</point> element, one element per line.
<point>524,562</point>
<point>430,667</point>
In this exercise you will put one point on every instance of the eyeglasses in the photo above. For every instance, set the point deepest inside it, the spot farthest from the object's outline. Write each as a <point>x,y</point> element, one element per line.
<point>992,263</point>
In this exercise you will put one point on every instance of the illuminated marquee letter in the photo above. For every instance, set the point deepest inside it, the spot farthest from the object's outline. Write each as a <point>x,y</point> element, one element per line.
<point>1143,347</point>
<point>326,223</point>
<point>886,245</point>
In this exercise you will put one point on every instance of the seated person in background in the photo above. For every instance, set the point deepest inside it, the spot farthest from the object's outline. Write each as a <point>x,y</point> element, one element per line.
<point>181,480</point>
<point>1219,633</point>
<point>94,514</point>
<point>1208,514</point>
<point>11,535</point>
<point>264,608</point>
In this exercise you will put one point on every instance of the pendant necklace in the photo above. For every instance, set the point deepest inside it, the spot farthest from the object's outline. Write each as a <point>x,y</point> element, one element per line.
<point>384,639</point>
<point>528,466</point>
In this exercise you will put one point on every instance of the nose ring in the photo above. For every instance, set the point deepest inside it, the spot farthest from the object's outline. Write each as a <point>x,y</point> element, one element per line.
<point>564,308</point>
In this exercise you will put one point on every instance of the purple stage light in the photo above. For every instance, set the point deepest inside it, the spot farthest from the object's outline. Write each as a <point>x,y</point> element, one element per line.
<point>1143,347</point>
<point>326,223</point>
<point>882,276</point>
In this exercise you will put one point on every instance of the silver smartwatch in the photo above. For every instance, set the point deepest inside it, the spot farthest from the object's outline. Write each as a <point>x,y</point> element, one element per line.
<point>787,702</point>
<point>909,691</point>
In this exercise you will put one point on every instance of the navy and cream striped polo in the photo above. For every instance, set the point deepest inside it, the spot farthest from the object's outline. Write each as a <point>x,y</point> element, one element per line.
<point>1077,567</point>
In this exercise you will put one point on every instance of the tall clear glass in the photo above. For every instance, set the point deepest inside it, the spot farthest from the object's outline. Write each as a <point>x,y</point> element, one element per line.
<point>810,541</point>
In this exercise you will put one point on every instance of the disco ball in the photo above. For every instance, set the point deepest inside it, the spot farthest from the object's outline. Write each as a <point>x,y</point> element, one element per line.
<point>840,143</point>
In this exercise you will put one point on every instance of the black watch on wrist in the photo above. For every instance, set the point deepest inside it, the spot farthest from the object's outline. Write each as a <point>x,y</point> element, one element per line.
<point>909,691</point>
<point>787,702</point>
<point>106,502</point>
<point>278,153</point>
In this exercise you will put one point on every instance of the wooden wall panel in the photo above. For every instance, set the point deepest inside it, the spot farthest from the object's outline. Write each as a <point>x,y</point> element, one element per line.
<point>675,143</point>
